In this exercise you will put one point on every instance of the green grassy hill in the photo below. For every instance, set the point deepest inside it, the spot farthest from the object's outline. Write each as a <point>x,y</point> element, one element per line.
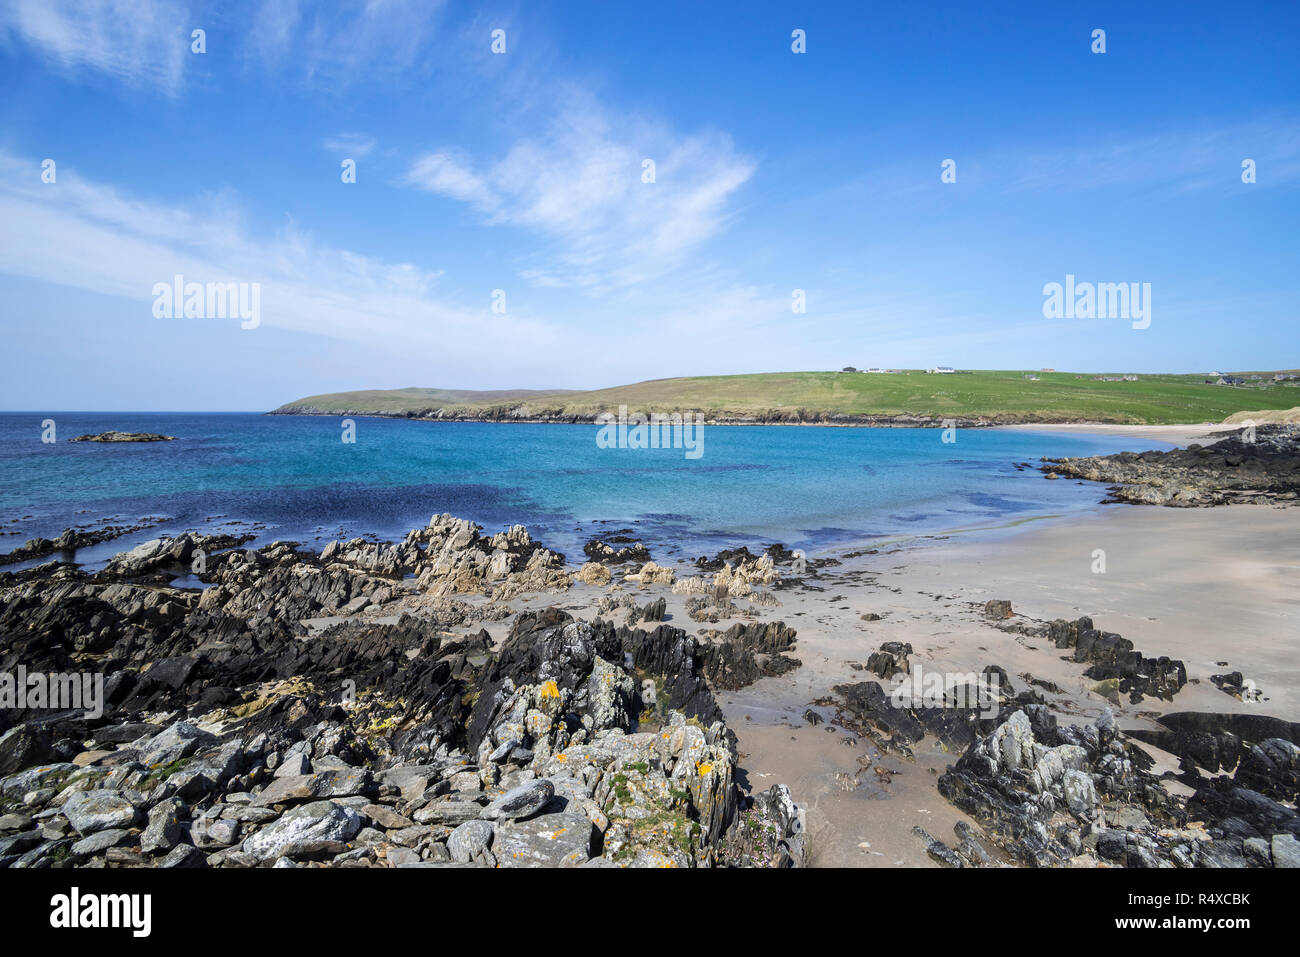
<point>398,401</point>
<point>809,396</point>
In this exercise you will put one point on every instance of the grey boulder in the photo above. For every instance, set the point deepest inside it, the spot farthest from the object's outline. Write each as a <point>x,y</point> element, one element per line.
<point>521,802</point>
<point>307,830</point>
<point>549,840</point>
<point>91,811</point>
<point>469,841</point>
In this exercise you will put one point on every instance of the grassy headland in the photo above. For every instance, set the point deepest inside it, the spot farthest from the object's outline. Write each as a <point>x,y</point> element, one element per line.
<point>843,397</point>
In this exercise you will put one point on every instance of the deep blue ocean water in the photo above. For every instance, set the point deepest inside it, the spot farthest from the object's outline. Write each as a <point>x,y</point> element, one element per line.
<point>296,479</point>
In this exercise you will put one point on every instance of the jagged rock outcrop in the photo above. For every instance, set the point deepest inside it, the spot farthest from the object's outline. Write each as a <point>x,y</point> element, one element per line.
<point>1111,658</point>
<point>1084,794</point>
<point>1252,466</point>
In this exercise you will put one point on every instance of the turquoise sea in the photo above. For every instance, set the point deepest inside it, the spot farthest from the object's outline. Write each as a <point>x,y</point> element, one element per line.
<point>293,478</point>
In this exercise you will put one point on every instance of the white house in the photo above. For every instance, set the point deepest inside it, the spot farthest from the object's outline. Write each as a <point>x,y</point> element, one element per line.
<point>942,369</point>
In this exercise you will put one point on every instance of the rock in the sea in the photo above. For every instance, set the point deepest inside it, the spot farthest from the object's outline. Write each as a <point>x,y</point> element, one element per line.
<point>112,436</point>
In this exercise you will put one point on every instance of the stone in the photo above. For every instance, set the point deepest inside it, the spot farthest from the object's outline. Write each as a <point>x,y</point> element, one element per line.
<point>520,802</point>
<point>304,831</point>
<point>177,741</point>
<point>402,857</point>
<point>295,764</point>
<point>17,785</point>
<point>997,609</point>
<point>322,784</point>
<point>184,855</point>
<point>164,830</point>
<point>91,811</point>
<point>470,840</point>
<point>100,841</point>
<point>610,690</point>
<point>1286,850</point>
<point>448,812</point>
<point>386,817</point>
<point>23,746</point>
<point>563,839</point>
<point>15,822</point>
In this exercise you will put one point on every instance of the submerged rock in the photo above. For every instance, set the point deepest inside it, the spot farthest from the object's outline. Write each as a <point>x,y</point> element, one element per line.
<point>112,436</point>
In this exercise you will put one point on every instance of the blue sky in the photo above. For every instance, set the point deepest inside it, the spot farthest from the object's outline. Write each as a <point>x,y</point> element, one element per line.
<point>522,172</point>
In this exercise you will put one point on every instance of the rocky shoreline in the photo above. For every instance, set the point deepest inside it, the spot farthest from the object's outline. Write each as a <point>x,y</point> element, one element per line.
<point>1082,795</point>
<point>1254,466</point>
<point>349,709</point>
<point>73,539</point>
<point>524,415</point>
<point>237,731</point>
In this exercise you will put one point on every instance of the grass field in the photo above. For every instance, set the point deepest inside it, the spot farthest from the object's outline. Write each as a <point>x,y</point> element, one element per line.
<point>1055,397</point>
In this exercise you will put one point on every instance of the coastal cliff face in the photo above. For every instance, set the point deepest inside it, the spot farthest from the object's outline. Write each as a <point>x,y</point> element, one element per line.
<point>228,733</point>
<point>1260,465</point>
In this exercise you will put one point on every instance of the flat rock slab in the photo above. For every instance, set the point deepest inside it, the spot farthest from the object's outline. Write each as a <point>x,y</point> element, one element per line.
<point>100,841</point>
<point>386,817</point>
<point>311,787</point>
<point>16,785</point>
<point>449,812</point>
<point>91,811</point>
<point>548,840</point>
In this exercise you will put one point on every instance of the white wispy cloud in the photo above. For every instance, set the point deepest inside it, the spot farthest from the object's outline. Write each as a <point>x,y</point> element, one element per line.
<point>354,145</point>
<point>342,42</point>
<point>89,236</point>
<point>579,184</point>
<point>1172,160</point>
<point>141,42</point>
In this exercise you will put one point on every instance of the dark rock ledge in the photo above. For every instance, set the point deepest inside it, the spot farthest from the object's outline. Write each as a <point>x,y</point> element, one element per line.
<point>1238,469</point>
<point>232,735</point>
<point>112,436</point>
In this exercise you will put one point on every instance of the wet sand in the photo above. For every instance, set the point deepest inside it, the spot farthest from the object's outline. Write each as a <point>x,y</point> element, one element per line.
<point>1173,434</point>
<point>1214,587</point>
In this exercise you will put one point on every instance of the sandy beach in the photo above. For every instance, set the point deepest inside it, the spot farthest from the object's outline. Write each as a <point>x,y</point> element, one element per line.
<point>1227,603</point>
<point>1173,434</point>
